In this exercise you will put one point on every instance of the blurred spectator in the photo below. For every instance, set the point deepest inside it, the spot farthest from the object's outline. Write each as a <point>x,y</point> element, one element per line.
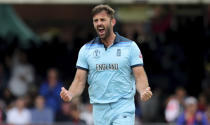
<point>50,90</point>
<point>202,102</point>
<point>75,114</point>
<point>191,116</point>
<point>161,21</point>
<point>149,110</point>
<point>63,114</point>
<point>19,114</point>
<point>40,113</point>
<point>70,112</point>
<point>29,101</point>
<point>8,97</point>
<point>86,114</point>
<point>22,74</point>
<point>175,105</point>
<point>172,110</point>
<point>208,113</point>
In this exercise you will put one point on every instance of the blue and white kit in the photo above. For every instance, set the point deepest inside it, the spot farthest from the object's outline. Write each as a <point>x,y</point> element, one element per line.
<point>110,78</point>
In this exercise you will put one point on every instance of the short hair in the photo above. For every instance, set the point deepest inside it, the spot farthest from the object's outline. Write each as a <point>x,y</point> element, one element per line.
<point>97,9</point>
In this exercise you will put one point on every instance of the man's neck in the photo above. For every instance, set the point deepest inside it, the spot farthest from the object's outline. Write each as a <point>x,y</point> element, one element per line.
<point>109,40</point>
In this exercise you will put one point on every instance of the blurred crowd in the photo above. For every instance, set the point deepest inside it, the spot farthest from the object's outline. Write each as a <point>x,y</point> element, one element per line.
<point>176,54</point>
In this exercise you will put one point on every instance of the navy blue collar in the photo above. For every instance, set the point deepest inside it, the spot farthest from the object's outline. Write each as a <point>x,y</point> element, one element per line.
<point>117,38</point>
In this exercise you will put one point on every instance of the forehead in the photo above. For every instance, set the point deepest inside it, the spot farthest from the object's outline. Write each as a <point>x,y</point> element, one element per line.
<point>102,14</point>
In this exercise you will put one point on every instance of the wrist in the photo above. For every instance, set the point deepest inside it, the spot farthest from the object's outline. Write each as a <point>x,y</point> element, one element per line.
<point>70,95</point>
<point>142,90</point>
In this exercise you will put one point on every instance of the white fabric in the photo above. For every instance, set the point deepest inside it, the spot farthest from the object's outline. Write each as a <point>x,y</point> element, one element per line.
<point>87,117</point>
<point>14,116</point>
<point>17,85</point>
<point>172,110</point>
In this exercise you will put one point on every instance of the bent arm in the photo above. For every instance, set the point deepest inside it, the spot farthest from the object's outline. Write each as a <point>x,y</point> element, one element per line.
<point>78,83</point>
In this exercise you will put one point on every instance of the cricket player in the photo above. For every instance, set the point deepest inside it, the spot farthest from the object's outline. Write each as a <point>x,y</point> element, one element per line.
<point>113,67</point>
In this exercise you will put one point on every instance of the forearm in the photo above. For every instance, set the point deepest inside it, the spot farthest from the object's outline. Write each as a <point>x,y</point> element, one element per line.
<point>76,88</point>
<point>141,79</point>
<point>142,83</point>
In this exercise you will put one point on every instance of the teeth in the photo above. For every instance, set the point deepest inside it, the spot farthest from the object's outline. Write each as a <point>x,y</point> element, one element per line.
<point>100,28</point>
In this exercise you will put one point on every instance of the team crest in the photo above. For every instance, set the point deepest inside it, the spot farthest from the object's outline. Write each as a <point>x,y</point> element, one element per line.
<point>96,53</point>
<point>118,52</point>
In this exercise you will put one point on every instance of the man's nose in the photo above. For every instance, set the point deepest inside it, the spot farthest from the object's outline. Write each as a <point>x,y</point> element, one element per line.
<point>99,23</point>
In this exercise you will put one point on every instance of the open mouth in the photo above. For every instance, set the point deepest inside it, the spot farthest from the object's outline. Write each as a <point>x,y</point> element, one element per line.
<point>101,30</point>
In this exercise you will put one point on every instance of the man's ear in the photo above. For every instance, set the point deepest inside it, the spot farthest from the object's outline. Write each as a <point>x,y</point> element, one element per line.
<point>113,20</point>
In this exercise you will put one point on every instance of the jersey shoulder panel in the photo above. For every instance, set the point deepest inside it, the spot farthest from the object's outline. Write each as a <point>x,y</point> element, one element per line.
<point>124,42</point>
<point>123,39</point>
<point>93,43</point>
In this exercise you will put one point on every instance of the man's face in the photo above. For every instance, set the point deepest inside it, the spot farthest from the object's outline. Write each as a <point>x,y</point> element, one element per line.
<point>191,108</point>
<point>20,103</point>
<point>103,24</point>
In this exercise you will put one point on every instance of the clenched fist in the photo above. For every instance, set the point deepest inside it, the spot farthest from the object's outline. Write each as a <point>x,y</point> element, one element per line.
<point>65,95</point>
<point>146,95</point>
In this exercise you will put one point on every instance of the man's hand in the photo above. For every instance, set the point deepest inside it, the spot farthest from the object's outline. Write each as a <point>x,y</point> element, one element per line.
<point>146,95</point>
<point>65,95</point>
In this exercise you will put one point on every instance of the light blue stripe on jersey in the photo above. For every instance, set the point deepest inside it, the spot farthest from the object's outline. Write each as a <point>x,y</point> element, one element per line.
<point>110,74</point>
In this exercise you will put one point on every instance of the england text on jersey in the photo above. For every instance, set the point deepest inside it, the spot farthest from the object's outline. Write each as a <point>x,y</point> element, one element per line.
<point>101,67</point>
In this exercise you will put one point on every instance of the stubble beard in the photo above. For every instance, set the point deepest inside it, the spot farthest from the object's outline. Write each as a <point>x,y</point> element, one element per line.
<point>107,33</point>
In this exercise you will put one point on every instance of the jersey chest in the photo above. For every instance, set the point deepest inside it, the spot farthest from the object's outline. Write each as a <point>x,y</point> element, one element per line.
<point>113,58</point>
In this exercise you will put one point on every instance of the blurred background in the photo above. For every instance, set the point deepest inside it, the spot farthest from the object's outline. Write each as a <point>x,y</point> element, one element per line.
<point>39,44</point>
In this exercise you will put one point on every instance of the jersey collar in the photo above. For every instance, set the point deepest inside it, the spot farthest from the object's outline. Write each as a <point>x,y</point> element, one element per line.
<point>117,38</point>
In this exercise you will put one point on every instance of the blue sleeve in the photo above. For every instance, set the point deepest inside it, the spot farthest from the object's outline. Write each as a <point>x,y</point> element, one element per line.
<point>136,58</point>
<point>204,119</point>
<point>82,60</point>
<point>181,120</point>
<point>43,89</point>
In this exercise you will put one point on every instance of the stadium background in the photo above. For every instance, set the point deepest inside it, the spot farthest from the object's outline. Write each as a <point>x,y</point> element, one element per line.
<point>47,34</point>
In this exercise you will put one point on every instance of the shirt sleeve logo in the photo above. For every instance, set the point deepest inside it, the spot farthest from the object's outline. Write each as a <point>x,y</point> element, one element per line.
<point>140,55</point>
